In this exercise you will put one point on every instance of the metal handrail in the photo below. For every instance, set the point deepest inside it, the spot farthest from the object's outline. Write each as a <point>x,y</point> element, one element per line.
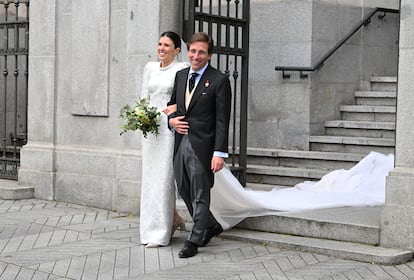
<point>321,62</point>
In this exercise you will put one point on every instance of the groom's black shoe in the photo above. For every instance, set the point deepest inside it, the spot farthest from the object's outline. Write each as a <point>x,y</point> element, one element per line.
<point>211,232</point>
<point>189,250</point>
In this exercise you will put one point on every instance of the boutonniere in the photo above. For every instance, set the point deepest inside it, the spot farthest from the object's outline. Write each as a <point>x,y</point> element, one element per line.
<point>207,83</point>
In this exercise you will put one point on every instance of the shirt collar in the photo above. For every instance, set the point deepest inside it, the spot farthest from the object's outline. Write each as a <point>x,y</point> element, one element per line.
<point>200,72</point>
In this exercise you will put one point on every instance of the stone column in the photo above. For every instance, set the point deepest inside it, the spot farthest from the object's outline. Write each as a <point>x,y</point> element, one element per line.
<point>37,156</point>
<point>170,11</point>
<point>397,221</point>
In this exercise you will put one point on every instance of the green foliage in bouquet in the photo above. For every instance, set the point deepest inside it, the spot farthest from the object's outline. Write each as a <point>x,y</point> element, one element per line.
<point>142,117</point>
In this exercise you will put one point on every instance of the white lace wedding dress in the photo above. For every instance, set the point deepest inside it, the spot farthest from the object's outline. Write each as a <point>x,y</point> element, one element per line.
<point>362,185</point>
<point>157,185</point>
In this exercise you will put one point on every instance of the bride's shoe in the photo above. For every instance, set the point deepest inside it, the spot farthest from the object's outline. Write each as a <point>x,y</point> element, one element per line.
<point>178,223</point>
<point>152,245</point>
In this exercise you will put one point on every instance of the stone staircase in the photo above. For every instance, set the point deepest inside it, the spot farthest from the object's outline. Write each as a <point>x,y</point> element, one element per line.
<point>346,232</point>
<point>367,126</point>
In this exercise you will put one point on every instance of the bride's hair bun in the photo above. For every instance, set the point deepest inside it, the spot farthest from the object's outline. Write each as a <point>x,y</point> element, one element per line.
<point>174,37</point>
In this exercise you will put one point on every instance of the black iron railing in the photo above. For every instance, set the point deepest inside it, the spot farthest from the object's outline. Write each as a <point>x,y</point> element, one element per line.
<point>14,53</point>
<point>227,22</point>
<point>321,62</point>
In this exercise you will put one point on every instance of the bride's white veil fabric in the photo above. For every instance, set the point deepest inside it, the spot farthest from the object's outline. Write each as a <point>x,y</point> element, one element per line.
<point>182,56</point>
<point>362,185</point>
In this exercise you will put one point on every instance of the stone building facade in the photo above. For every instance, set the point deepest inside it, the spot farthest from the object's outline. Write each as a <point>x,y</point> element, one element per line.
<point>86,63</point>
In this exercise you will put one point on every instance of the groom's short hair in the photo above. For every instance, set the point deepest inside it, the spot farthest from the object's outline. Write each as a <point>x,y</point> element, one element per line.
<point>202,37</point>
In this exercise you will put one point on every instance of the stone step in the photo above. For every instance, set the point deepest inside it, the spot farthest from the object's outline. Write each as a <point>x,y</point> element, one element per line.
<point>10,189</point>
<point>346,232</point>
<point>281,175</point>
<point>338,249</point>
<point>383,79</point>
<point>376,98</point>
<point>375,94</point>
<point>269,168</point>
<point>343,144</point>
<point>368,109</point>
<point>368,113</point>
<point>352,224</point>
<point>306,159</point>
<point>383,83</point>
<point>361,124</point>
<point>360,128</point>
<point>264,187</point>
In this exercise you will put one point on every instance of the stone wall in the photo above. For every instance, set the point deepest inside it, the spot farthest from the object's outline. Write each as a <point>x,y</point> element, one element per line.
<point>85,65</point>
<point>372,51</point>
<point>280,34</point>
<point>284,112</point>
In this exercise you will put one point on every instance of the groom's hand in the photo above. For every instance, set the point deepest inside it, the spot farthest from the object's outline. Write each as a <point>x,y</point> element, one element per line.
<point>179,125</point>
<point>217,164</point>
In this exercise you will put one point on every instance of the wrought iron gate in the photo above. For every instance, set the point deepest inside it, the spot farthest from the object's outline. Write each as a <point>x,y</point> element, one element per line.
<point>227,22</point>
<point>14,44</point>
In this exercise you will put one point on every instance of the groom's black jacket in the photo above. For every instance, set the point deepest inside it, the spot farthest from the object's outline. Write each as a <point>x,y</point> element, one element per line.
<point>208,113</point>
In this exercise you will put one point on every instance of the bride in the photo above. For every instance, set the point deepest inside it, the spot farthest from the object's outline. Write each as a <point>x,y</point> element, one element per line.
<point>158,217</point>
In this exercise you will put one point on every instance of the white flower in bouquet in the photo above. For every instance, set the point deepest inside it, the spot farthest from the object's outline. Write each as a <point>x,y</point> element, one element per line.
<point>142,117</point>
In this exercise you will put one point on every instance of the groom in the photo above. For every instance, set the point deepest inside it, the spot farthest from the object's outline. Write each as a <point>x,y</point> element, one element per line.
<point>201,123</point>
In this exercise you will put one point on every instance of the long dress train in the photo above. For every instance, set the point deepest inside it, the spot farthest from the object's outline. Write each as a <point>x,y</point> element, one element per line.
<point>362,185</point>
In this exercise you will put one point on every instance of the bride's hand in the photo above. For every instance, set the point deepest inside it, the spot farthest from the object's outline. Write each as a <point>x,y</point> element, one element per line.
<point>170,109</point>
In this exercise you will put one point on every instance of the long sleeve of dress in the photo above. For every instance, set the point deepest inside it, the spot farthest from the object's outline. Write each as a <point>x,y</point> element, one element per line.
<point>145,79</point>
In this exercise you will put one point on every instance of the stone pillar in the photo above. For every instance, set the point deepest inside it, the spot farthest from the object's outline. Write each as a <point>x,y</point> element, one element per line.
<point>170,11</point>
<point>397,221</point>
<point>37,156</point>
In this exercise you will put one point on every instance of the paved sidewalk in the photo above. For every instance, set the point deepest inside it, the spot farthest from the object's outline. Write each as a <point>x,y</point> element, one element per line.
<point>52,240</point>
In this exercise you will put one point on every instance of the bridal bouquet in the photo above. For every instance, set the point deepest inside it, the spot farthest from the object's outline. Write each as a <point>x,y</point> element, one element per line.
<point>142,117</point>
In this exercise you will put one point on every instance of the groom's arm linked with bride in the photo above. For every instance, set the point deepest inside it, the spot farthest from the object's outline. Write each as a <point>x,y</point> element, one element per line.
<point>201,124</point>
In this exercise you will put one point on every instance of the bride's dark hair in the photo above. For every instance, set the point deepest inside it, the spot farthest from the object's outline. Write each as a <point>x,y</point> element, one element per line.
<point>174,37</point>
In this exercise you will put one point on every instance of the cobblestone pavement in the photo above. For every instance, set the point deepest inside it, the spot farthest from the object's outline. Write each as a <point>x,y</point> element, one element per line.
<point>53,240</point>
